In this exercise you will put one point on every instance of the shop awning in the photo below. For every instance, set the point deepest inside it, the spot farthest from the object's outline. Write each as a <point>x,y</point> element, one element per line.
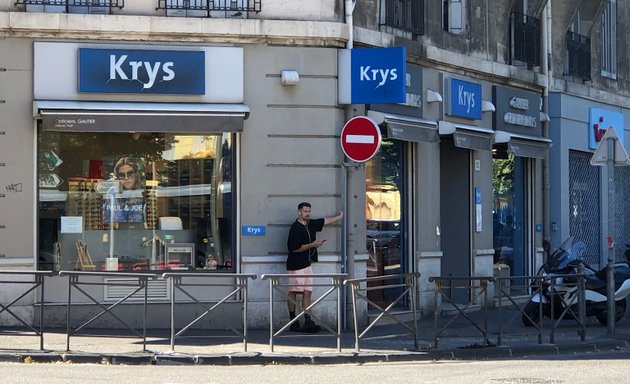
<point>523,145</point>
<point>407,128</point>
<point>88,116</point>
<point>468,136</point>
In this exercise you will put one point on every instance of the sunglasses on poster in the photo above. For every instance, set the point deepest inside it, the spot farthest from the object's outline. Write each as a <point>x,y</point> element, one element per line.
<point>126,175</point>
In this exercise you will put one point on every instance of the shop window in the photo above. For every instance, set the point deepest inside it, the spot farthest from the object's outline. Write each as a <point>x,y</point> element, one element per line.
<point>135,201</point>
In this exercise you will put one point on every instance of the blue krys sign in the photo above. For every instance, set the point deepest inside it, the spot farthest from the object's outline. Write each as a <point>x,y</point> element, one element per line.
<point>253,230</point>
<point>378,75</point>
<point>465,99</point>
<point>141,71</point>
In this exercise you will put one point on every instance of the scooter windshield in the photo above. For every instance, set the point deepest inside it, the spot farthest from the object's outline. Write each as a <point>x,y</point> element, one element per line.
<point>564,255</point>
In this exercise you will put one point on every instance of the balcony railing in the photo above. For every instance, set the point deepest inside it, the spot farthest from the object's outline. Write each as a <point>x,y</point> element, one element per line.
<point>71,6</point>
<point>525,39</point>
<point>210,8</point>
<point>578,62</point>
<point>407,15</point>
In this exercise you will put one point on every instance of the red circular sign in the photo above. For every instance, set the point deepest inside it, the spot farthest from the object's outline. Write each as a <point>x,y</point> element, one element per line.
<point>360,139</point>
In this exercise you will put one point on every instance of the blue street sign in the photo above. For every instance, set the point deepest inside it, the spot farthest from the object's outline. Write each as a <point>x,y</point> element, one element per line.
<point>253,230</point>
<point>141,71</point>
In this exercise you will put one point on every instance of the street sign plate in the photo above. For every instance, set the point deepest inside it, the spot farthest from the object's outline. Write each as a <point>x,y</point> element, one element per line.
<point>360,139</point>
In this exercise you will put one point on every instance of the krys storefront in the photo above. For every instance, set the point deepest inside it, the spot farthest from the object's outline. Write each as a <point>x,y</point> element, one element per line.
<point>136,156</point>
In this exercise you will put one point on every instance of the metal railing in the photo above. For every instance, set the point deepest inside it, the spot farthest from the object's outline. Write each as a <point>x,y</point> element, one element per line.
<point>407,15</point>
<point>177,282</point>
<point>37,281</point>
<point>208,8</point>
<point>67,4</point>
<point>578,56</point>
<point>275,285</point>
<point>564,297</point>
<point>359,288</point>
<point>525,36</point>
<point>74,281</point>
<point>444,287</point>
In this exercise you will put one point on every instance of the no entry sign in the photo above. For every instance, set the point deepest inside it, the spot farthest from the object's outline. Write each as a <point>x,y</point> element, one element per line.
<point>360,139</point>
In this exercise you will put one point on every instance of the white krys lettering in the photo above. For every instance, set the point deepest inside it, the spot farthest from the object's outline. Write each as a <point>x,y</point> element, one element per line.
<point>134,69</point>
<point>167,68</point>
<point>115,67</point>
<point>364,73</point>
<point>384,74</point>
<point>465,98</point>
<point>152,72</point>
<point>394,74</point>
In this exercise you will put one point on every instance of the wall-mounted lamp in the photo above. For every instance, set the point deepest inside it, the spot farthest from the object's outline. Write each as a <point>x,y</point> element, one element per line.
<point>446,128</point>
<point>433,97</point>
<point>544,117</point>
<point>288,77</point>
<point>487,106</point>
<point>501,137</point>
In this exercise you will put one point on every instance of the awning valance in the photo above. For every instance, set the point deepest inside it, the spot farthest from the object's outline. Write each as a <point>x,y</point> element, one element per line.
<point>524,146</point>
<point>88,116</point>
<point>406,128</point>
<point>468,136</point>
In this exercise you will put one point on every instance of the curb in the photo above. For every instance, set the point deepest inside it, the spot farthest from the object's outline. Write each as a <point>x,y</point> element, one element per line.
<point>257,358</point>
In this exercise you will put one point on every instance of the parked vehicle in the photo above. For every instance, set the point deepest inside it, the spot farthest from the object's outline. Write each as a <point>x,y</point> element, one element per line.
<point>565,261</point>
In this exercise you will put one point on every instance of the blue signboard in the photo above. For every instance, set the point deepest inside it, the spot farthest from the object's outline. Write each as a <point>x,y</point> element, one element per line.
<point>465,99</point>
<point>599,121</point>
<point>378,75</point>
<point>141,71</point>
<point>253,230</point>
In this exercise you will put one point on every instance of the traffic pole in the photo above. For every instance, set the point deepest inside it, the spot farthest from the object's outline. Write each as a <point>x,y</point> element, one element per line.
<point>610,269</point>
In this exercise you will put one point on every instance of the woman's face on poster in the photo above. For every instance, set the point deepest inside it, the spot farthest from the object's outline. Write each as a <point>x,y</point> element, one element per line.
<point>127,174</point>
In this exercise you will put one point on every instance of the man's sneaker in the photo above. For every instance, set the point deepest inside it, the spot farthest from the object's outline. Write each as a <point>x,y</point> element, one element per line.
<point>295,327</point>
<point>311,327</point>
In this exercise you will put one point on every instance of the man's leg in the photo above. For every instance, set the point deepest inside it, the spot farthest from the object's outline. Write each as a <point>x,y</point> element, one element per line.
<point>309,324</point>
<point>291,300</point>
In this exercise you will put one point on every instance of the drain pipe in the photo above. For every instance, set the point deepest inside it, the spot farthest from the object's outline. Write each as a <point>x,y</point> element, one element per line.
<point>548,68</point>
<point>347,263</point>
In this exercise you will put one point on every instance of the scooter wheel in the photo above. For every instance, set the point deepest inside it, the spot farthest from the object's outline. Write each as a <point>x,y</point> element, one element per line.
<point>531,314</point>
<point>620,310</point>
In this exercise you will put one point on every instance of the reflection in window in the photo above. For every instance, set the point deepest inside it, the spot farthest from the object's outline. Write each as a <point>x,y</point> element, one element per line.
<point>114,201</point>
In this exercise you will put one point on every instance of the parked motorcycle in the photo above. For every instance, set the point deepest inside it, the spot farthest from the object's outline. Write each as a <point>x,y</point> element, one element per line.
<point>565,261</point>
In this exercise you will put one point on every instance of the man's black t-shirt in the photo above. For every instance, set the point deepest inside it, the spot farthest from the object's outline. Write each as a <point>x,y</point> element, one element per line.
<point>299,235</point>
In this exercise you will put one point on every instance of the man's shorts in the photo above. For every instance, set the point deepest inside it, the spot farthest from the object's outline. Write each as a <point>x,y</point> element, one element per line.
<point>301,284</point>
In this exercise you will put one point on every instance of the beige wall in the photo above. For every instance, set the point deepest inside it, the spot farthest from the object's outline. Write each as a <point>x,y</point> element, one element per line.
<point>17,208</point>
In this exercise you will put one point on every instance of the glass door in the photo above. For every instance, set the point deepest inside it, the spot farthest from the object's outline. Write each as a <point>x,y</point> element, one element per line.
<point>385,221</point>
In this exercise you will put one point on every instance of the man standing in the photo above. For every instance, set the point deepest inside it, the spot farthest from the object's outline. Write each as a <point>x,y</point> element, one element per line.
<point>302,246</point>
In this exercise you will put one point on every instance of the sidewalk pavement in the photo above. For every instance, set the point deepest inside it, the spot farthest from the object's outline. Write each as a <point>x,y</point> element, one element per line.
<point>461,340</point>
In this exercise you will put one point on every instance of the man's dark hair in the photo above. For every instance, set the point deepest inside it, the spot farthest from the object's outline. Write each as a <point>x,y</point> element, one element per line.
<point>303,204</point>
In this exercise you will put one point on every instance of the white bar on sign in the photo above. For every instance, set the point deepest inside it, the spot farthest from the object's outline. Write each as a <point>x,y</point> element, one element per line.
<point>360,139</point>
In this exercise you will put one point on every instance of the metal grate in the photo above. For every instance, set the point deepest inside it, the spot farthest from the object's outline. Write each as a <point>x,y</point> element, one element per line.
<point>621,231</point>
<point>116,289</point>
<point>584,205</point>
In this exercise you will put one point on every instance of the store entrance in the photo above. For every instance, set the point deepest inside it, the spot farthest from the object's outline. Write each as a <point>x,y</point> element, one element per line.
<point>385,218</point>
<point>455,215</point>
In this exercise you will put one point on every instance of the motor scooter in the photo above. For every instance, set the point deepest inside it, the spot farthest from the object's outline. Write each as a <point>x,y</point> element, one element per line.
<point>557,284</point>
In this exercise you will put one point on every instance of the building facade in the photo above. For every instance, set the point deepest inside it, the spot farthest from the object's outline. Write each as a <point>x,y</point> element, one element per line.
<point>159,134</point>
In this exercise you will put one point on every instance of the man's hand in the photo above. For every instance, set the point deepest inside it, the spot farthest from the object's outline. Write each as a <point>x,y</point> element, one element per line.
<point>334,219</point>
<point>318,243</point>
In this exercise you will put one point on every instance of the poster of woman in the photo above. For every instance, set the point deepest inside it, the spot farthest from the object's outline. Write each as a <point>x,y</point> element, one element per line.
<point>127,203</point>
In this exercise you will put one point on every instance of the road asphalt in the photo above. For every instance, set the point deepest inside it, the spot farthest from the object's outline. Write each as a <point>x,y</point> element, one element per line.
<point>460,338</point>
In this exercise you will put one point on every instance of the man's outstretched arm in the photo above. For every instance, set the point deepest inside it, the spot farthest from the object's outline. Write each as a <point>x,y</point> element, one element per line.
<point>333,219</point>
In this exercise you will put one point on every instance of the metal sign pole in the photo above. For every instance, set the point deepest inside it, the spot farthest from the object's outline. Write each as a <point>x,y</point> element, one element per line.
<point>610,270</point>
